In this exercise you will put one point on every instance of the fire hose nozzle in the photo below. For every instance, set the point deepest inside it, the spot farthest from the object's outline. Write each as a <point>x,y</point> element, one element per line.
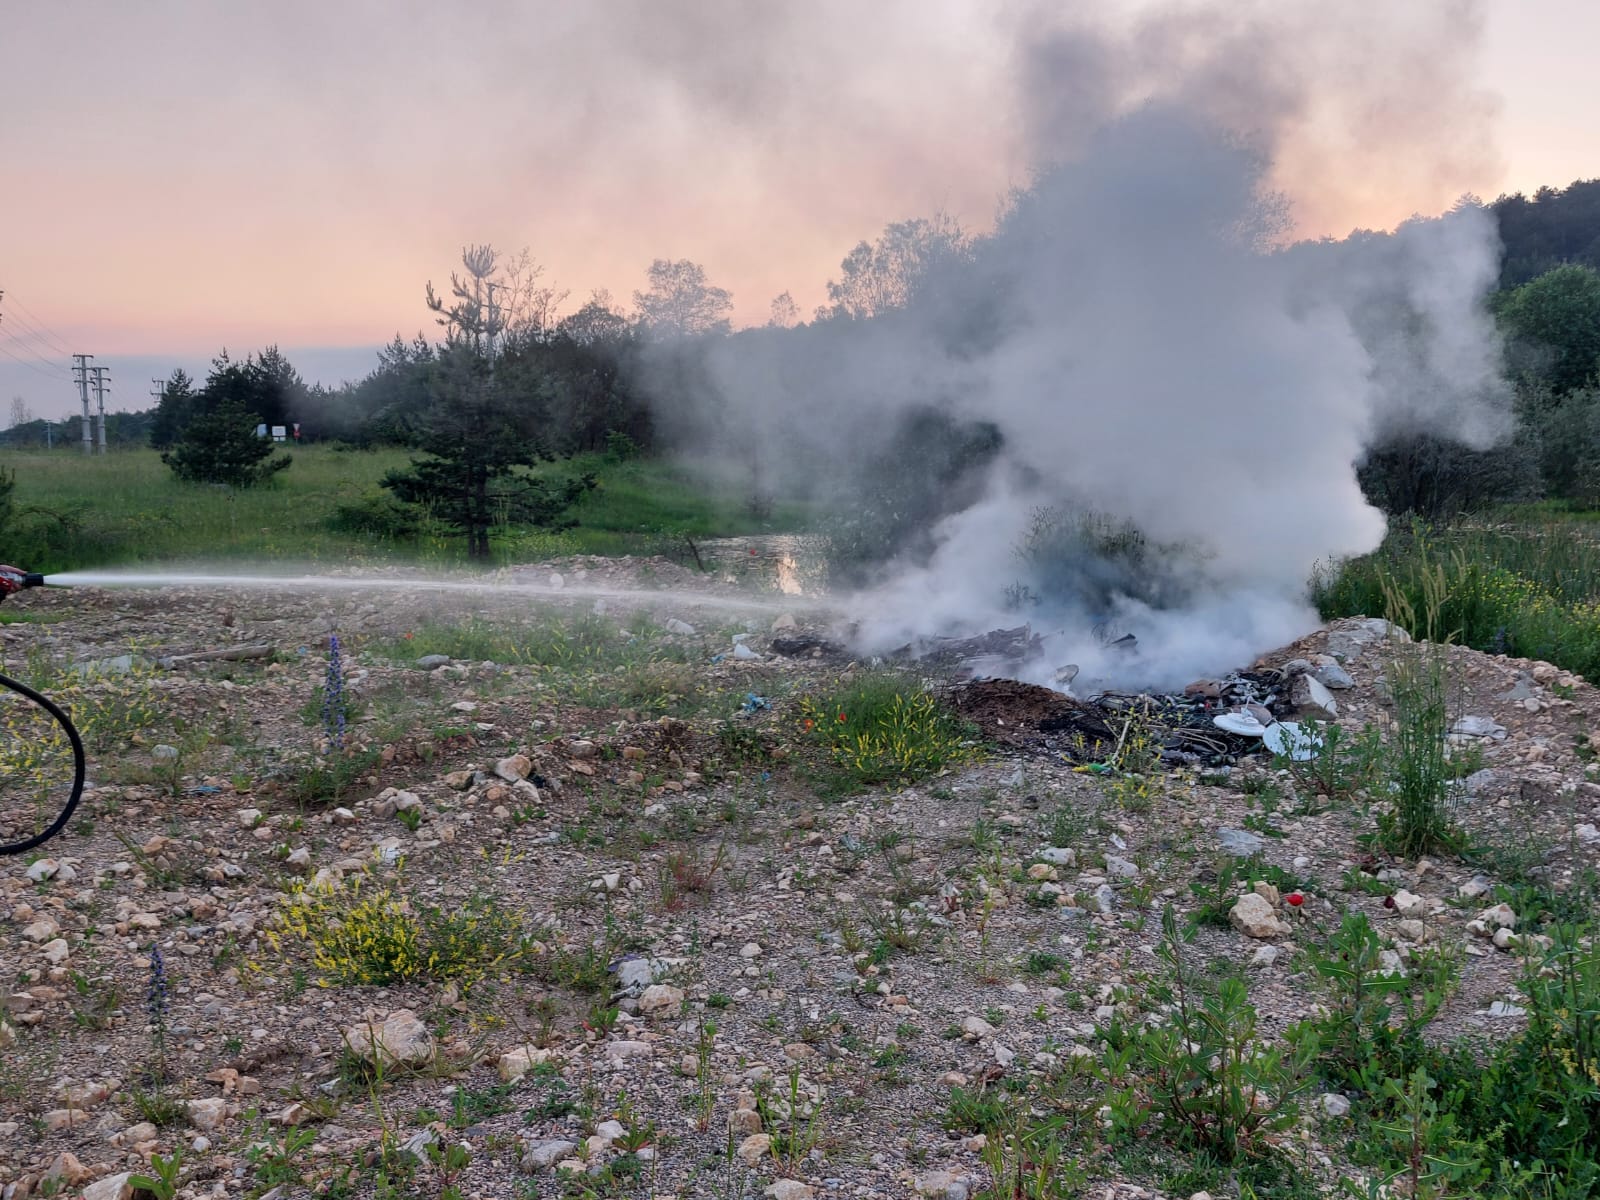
<point>14,580</point>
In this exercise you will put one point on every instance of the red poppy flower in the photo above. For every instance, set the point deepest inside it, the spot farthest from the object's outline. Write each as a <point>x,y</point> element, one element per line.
<point>1294,899</point>
<point>810,724</point>
<point>841,718</point>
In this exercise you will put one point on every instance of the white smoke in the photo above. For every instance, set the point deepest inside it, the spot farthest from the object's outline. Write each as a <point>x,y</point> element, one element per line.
<point>1147,350</point>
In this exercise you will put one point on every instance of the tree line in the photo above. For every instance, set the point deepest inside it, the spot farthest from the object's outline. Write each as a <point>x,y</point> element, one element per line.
<point>516,377</point>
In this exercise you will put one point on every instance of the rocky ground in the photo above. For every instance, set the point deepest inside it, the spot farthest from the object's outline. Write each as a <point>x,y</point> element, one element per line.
<point>730,986</point>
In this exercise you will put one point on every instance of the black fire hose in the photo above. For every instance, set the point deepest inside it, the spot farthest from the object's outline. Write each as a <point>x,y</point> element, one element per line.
<point>78,771</point>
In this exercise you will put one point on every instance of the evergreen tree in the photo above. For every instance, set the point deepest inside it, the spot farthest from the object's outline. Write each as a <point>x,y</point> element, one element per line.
<point>476,444</point>
<point>221,446</point>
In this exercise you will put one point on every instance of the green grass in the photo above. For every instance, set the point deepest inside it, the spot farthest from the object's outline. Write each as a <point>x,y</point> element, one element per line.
<point>127,508</point>
<point>1531,591</point>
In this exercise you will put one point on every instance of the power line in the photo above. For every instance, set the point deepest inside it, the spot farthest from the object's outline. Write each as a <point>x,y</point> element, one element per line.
<point>18,346</point>
<point>37,321</point>
<point>37,370</point>
<point>26,328</point>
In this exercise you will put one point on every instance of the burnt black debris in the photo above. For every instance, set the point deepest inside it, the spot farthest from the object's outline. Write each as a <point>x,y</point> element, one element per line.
<point>1090,730</point>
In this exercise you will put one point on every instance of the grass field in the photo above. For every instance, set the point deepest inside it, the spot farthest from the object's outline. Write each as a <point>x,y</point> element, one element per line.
<point>127,508</point>
<point>1529,588</point>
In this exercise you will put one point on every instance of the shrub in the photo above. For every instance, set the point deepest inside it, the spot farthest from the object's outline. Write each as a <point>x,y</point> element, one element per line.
<point>1526,592</point>
<point>1419,773</point>
<point>885,727</point>
<point>363,936</point>
<point>1432,477</point>
<point>1202,1073</point>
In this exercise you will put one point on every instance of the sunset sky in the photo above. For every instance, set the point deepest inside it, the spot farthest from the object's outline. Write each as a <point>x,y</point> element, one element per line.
<point>177,176</point>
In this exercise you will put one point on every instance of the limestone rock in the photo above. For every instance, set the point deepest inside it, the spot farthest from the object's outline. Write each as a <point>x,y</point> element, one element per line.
<point>661,1000</point>
<point>754,1148</point>
<point>541,1156</point>
<point>112,1187</point>
<point>1252,916</point>
<point>400,1039</point>
<point>519,1060</point>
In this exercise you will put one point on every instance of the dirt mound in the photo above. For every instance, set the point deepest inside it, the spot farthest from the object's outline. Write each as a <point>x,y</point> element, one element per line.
<point>1024,714</point>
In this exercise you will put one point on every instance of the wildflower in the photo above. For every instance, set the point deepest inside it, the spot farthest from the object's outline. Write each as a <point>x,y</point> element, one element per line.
<point>333,705</point>
<point>841,718</point>
<point>1294,899</point>
<point>155,1000</point>
<point>809,724</point>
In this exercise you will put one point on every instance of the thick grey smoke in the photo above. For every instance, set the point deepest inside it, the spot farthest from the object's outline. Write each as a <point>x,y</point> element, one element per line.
<point>1149,352</point>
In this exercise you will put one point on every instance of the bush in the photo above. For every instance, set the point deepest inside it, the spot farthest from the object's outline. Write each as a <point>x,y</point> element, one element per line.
<point>883,728</point>
<point>372,937</point>
<point>1086,561</point>
<point>1419,773</point>
<point>1433,478</point>
<point>222,447</point>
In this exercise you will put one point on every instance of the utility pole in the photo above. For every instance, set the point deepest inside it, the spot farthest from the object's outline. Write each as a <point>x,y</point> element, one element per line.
<point>159,392</point>
<point>101,374</point>
<point>80,371</point>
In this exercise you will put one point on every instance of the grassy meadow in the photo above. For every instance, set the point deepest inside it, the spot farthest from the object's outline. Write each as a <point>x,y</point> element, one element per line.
<point>126,508</point>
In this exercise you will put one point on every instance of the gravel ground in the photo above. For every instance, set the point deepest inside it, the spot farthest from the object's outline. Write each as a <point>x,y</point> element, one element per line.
<point>1018,898</point>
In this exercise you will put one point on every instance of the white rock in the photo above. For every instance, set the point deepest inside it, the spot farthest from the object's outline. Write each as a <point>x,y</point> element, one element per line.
<point>519,1060</point>
<point>41,930</point>
<point>618,1052</point>
<point>754,1148</point>
<point>208,1113</point>
<point>400,1038</point>
<point>975,1029</point>
<point>661,1000</point>
<point>1499,917</point>
<point>1312,699</point>
<point>673,625</point>
<point>541,1156</point>
<point>514,768</point>
<point>112,1187</point>
<point>55,952</point>
<point>43,869</point>
<point>1120,867</point>
<point>750,950</point>
<point>1059,856</point>
<point>1264,957</point>
<point>1335,1105</point>
<point>1252,916</point>
<point>790,1189</point>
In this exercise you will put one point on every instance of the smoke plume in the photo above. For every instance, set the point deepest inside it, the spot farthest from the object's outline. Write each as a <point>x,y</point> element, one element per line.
<point>1159,364</point>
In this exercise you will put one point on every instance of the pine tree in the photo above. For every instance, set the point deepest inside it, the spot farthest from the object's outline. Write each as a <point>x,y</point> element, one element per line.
<point>222,447</point>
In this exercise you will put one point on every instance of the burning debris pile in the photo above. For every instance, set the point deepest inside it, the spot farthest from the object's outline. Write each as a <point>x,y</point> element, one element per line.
<point>1212,722</point>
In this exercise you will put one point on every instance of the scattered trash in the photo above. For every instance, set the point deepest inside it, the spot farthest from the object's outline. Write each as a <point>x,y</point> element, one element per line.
<point>754,703</point>
<point>1479,727</point>
<point>1292,740</point>
<point>1242,723</point>
<point>743,652</point>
